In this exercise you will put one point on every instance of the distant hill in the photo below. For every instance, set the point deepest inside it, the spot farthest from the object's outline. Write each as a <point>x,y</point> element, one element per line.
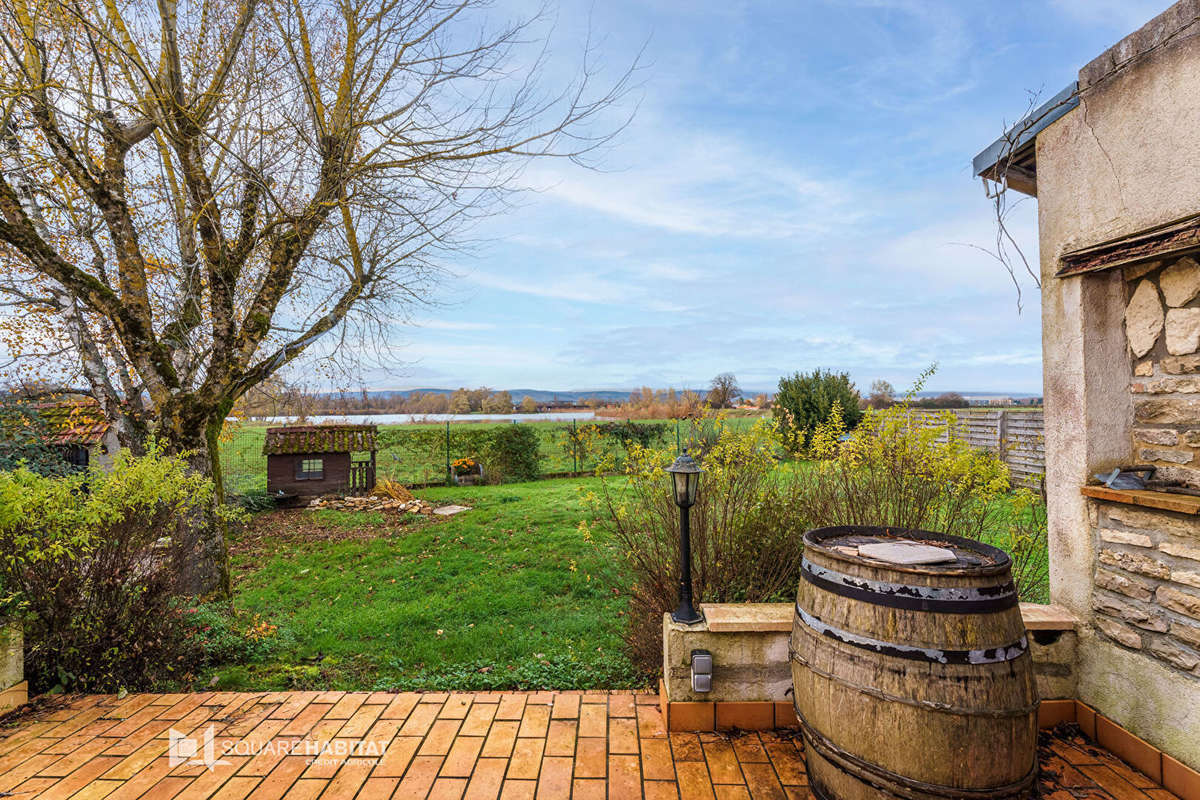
<point>618,395</point>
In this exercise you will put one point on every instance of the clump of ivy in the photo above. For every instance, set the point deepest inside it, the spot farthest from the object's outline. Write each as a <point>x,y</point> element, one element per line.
<point>24,441</point>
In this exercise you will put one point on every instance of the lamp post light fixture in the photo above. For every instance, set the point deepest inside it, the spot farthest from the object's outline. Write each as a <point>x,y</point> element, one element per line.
<point>685,481</point>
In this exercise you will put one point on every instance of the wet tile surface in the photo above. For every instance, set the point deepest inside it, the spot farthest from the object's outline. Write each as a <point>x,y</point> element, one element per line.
<point>378,745</point>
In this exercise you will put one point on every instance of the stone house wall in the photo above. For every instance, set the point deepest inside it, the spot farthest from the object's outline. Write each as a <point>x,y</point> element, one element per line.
<point>1162,325</point>
<point>1147,576</point>
<point>1147,596</point>
<point>1120,377</point>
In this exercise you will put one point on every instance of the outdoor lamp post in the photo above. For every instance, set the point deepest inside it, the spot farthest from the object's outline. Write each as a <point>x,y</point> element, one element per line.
<point>685,480</point>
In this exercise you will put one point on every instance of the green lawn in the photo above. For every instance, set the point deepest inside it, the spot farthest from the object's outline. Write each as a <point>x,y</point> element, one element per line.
<point>509,594</point>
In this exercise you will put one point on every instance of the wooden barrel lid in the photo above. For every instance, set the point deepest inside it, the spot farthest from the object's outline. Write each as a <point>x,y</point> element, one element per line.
<point>962,556</point>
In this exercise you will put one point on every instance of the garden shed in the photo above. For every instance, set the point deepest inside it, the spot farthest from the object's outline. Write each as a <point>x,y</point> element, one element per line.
<point>309,460</point>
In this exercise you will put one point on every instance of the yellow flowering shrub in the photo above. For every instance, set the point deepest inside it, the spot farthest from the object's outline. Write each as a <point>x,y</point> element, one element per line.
<point>897,470</point>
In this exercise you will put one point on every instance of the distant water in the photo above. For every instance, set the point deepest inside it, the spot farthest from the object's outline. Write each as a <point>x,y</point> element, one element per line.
<point>407,419</point>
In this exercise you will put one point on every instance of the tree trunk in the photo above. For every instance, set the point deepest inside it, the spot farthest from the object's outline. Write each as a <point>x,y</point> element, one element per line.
<point>202,552</point>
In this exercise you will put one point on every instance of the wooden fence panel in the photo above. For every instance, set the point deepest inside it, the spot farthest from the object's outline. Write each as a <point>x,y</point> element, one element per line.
<point>1017,436</point>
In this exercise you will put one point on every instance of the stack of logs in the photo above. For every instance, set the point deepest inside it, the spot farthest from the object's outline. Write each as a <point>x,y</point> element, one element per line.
<point>372,504</point>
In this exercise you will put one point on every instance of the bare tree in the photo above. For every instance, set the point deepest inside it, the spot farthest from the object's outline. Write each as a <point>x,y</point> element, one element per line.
<point>883,395</point>
<point>197,194</point>
<point>498,403</point>
<point>723,390</point>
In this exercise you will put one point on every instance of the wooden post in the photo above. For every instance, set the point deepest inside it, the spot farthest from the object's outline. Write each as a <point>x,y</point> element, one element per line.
<point>1002,438</point>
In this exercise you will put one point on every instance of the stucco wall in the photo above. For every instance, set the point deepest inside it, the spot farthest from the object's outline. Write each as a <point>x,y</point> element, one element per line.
<point>1125,160</point>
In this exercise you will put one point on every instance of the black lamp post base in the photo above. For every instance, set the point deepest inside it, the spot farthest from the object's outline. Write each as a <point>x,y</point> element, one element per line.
<point>686,615</point>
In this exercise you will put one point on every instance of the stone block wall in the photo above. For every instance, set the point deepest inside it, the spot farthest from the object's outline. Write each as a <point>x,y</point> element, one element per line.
<point>1054,653</point>
<point>1162,326</point>
<point>14,689</point>
<point>749,645</point>
<point>1147,583</point>
<point>1147,571</point>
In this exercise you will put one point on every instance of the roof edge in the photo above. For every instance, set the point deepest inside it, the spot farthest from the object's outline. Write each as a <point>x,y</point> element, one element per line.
<point>1162,30</point>
<point>1024,132</point>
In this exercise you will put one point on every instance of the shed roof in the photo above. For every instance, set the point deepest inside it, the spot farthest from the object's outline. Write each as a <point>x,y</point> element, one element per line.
<point>78,422</point>
<point>319,439</point>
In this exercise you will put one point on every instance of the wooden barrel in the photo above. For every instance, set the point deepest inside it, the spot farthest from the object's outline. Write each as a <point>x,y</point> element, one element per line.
<point>912,680</point>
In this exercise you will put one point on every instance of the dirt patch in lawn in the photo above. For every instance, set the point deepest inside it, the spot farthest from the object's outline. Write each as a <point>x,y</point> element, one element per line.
<point>268,531</point>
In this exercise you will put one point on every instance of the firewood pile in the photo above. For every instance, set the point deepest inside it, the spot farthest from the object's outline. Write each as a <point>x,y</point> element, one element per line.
<point>413,506</point>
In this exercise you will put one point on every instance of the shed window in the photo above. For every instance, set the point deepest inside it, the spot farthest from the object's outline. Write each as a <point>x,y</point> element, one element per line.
<point>310,469</point>
<point>75,455</point>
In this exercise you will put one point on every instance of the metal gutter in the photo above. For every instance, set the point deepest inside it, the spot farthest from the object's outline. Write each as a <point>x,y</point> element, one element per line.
<point>1028,128</point>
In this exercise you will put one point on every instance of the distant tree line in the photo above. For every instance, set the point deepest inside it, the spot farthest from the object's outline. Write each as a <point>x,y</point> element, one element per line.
<point>276,398</point>
<point>882,395</point>
<point>804,398</point>
<point>649,403</point>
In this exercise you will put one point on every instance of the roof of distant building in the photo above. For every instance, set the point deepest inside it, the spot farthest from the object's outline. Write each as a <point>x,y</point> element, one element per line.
<point>319,439</point>
<point>79,422</point>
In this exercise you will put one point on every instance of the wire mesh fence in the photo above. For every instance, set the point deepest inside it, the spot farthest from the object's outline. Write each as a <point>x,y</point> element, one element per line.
<point>422,454</point>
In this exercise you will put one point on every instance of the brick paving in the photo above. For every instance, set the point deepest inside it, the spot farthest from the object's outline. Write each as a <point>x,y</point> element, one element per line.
<point>374,746</point>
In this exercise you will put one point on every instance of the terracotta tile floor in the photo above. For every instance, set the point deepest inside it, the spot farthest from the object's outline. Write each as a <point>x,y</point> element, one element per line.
<point>373,746</point>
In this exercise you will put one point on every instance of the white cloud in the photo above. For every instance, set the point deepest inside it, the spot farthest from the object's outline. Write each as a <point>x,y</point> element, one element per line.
<point>575,286</point>
<point>451,325</point>
<point>579,286</point>
<point>667,271</point>
<point>1014,358</point>
<point>947,251</point>
<point>699,183</point>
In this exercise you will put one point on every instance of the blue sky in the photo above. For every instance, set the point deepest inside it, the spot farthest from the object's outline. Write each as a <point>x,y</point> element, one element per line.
<point>794,192</point>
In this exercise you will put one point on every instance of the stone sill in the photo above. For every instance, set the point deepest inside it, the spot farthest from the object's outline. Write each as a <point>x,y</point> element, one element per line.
<point>1040,617</point>
<point>777,617</point>
<point>748,617</point>
<point>1163,501</point>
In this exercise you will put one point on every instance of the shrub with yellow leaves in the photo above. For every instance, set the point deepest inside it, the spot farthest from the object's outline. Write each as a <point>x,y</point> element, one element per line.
<point>893,470</point>
<point>746,529</point>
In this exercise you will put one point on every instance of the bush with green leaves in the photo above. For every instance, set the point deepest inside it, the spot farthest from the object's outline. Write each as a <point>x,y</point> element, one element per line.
<point>219,633</point>
<point>88,564</point>
<point>512,453</point>
<point>746,530</point>
<point>1024,535</point>
<point>805,400</point>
